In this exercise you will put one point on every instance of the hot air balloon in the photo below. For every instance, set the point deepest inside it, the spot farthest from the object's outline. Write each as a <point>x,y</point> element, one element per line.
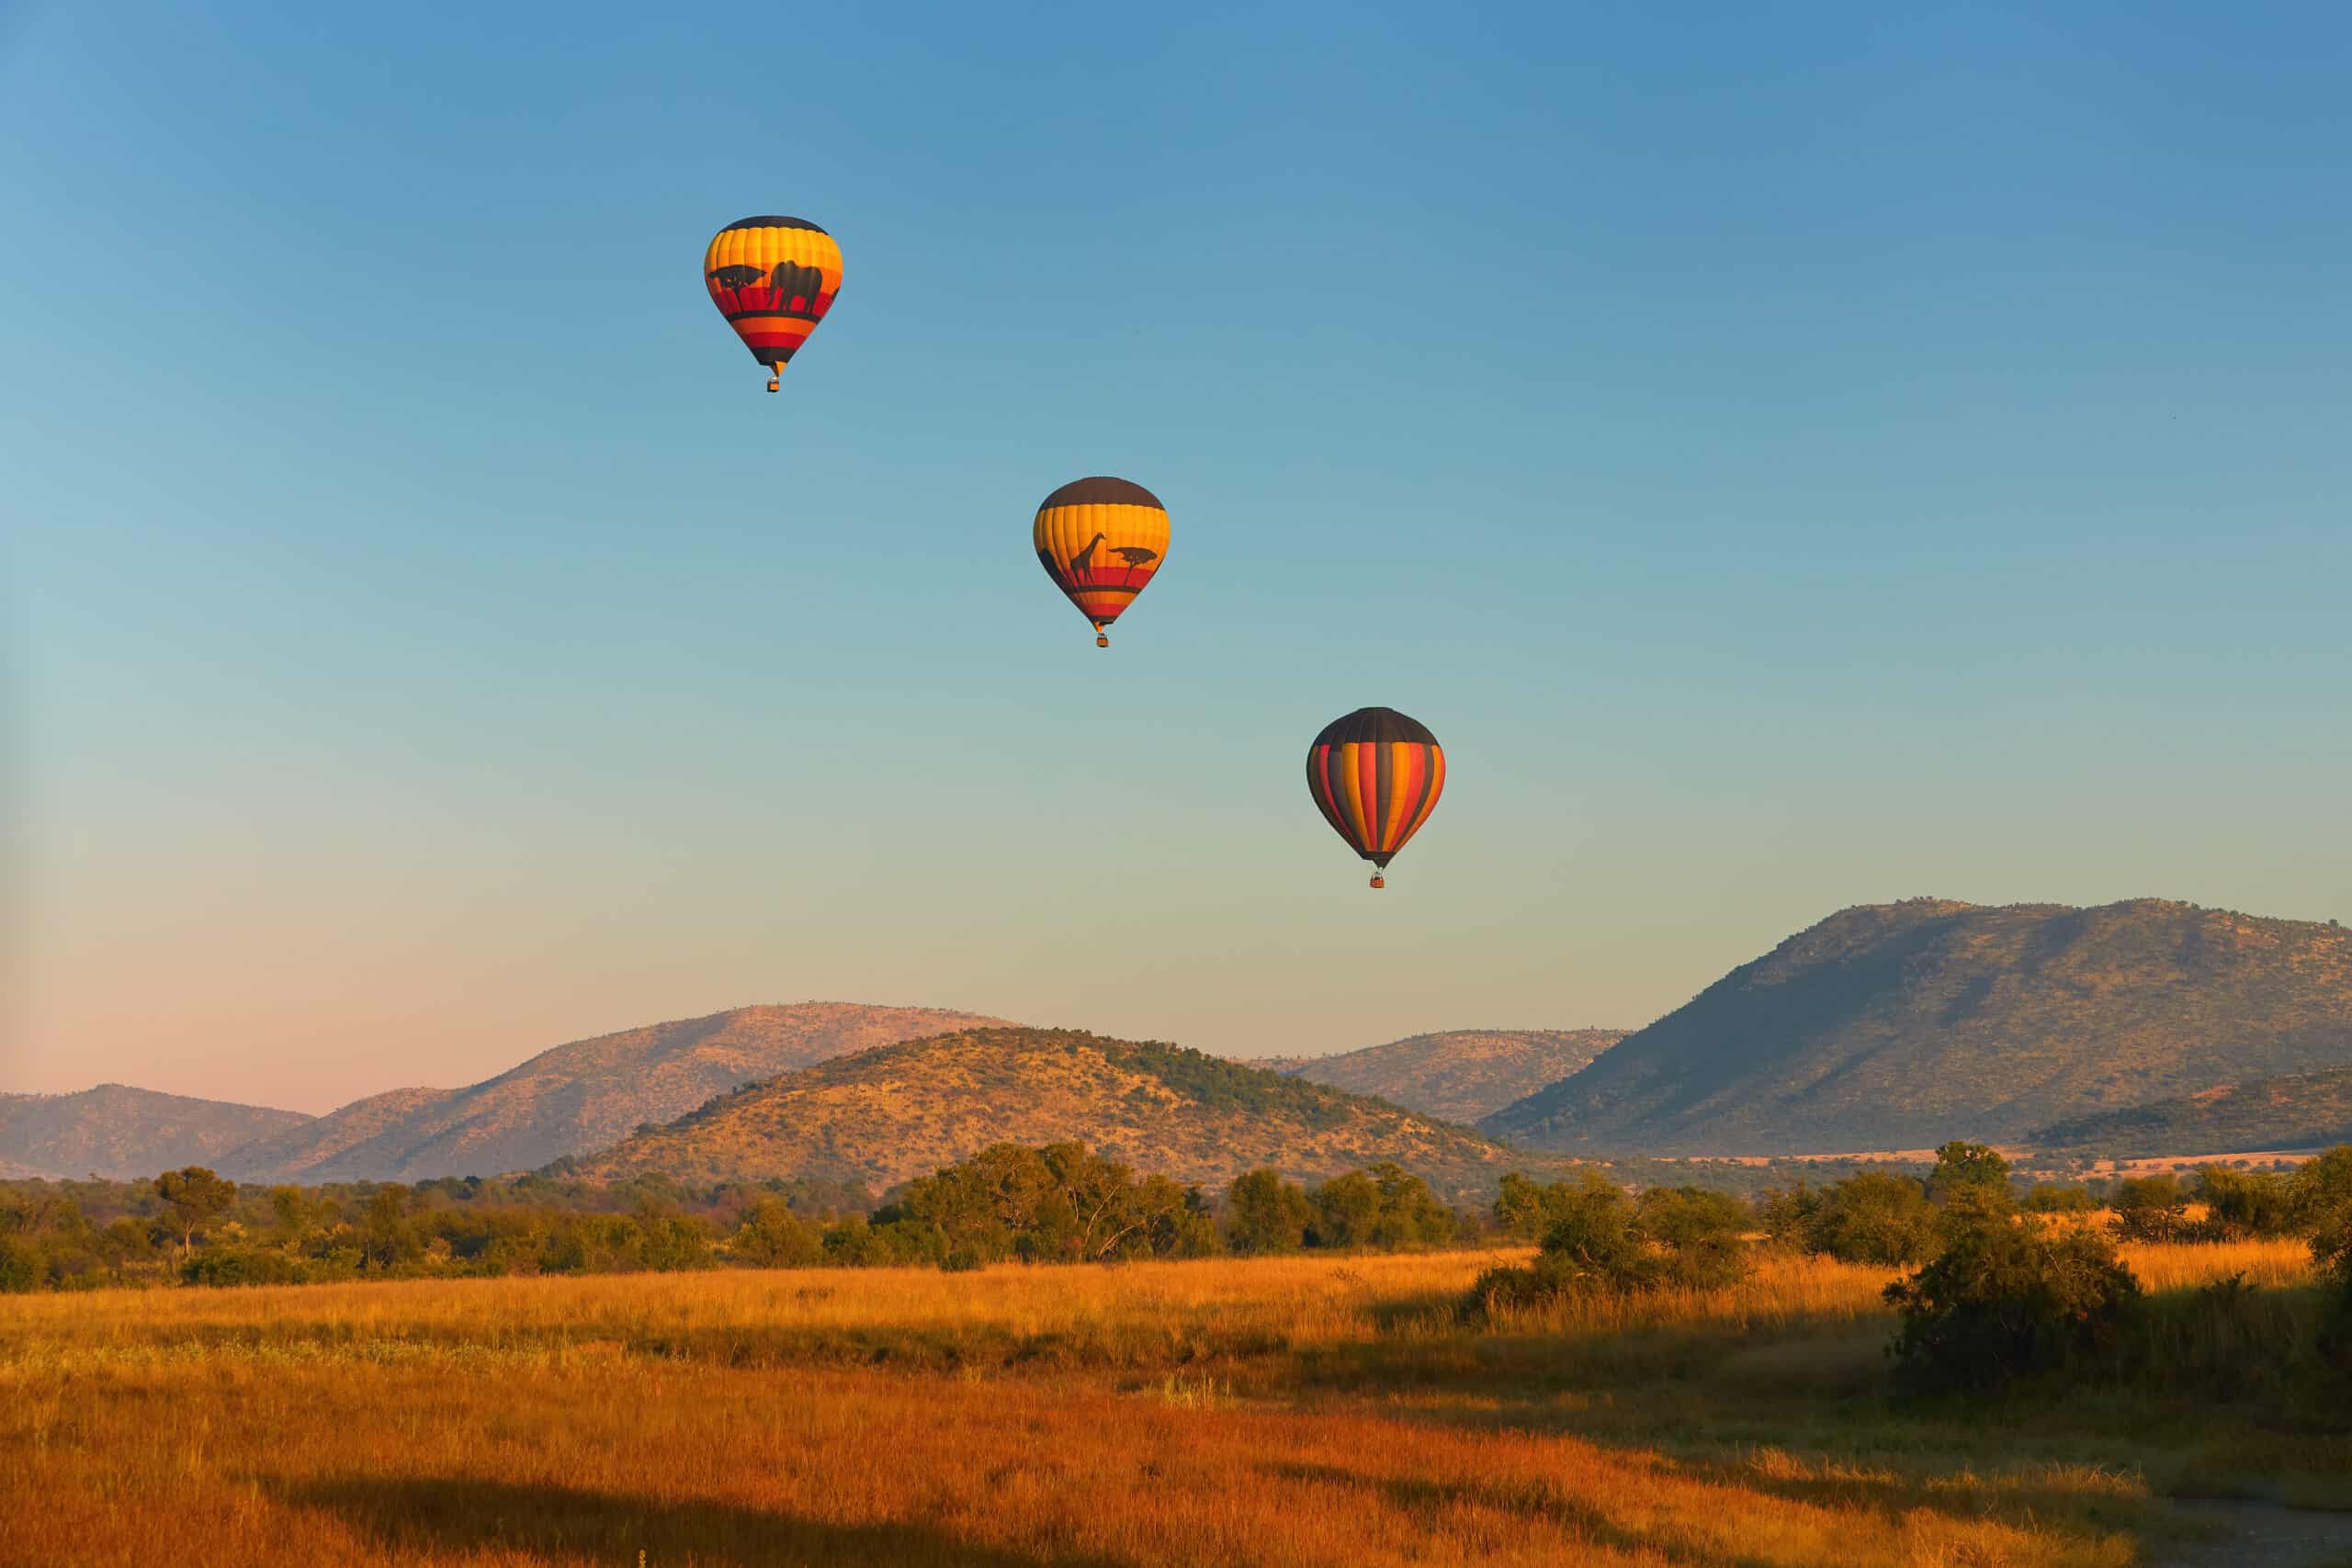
<point>1377,774</point>
<point>1099,540</point>
<point>773,279</point>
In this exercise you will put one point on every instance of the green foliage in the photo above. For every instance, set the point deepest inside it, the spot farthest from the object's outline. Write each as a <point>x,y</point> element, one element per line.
<point>1598,1243</point>
<point>192,1196</point>
<point>773,1236</point>
<point>2056,1198</point>
<point>1265,1215</point>
<point>2244,1204</point>
<point>1961,1166</point>
<point>2149,1208</point>
<point>2322,1188</point>
<point>2007,1299</point>
<point>1382,1207</point>
<point>241,1266</point>
<point>1873,1216</point>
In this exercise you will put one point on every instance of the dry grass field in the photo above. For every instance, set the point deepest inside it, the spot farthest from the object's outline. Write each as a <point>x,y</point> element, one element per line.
<point>1272,1412</point>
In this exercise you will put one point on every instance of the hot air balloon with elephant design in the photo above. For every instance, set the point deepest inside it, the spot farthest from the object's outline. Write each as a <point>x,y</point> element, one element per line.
<point>773,279</point>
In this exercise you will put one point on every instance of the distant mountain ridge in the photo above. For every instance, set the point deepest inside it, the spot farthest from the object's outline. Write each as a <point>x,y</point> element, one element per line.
<point>576,1097</point>
<point>122,1133</point>
<point>2297,1111</point>
<point>1459,1073</point>
<point>1899,1026</point>
<point>892,1113</point>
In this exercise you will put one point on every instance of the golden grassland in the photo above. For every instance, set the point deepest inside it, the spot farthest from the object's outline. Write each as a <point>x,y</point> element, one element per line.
<point>1272,1412</point>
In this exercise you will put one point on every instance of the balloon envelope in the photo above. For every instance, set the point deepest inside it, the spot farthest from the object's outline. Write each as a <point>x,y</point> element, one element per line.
<point>1101,540</point>
<point>1377,775</point>
<point>773,279</point>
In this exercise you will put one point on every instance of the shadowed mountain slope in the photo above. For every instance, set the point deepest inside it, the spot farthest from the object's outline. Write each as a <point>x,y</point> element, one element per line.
<point>576,1097</point>
<point>897,1111</point>
<point>1900,1025</point>
<point>1459,1073</point>
<point>123,1132</point>
<point>2298,1110</point>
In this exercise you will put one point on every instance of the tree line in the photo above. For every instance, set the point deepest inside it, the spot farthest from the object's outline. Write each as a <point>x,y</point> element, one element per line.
<point>2004,1284</point>
<point>1055,1204</point>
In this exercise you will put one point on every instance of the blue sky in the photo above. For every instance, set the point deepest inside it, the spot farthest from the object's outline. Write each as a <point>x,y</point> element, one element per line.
<point>1792,457</point>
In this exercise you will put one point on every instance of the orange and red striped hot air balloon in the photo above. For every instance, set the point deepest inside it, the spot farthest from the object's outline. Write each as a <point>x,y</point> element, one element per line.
<point>1377,775</point>
<point>773,279</point>
<point>1099,540</point>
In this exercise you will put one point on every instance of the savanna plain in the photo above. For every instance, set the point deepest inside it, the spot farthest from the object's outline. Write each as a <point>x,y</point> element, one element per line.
<point>1269,1411</point>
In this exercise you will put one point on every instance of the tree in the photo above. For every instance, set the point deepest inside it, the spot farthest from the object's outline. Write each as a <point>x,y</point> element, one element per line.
<point>2006,1300</point>
<point>2242,1203</point>
<point>1346,1208</point>
<point>192,1196</point>
<point>1602,1244</point>
<point>1873,1216</point>
<point>2322,1188</point>
<point>1961,1165</point>
<point>1265,1215</point>
<point>773,1236</point>
<point>2149,1208</point>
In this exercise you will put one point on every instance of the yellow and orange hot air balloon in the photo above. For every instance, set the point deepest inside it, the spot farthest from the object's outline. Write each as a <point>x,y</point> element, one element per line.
<point>1377,775</point>
<point>773,279</point>
<point>1099,540</point>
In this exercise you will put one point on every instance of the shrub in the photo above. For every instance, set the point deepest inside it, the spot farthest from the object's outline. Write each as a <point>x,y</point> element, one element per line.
<point>2054,1198</point>
<point>773,1236</point>
<point>1873,1216</point>
<point>242,1266</point>
<point>2149,1208</point>
<point>2242,1203</point>
<point>1600,1243</point>
<point>1961,1166</point>
<point>1265,1215</point>
<point>2007,1299</point>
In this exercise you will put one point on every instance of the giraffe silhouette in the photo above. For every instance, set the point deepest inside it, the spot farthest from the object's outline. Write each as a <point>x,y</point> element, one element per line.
<point>1084,557</point>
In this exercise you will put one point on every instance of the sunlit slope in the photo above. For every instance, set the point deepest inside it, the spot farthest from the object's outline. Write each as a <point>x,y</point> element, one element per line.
<point>2298,1110</point>
<point>1899,1026</point>
<point>1459,1073</point>
<point>122,1133</point>
<point>577,1097</point>
<point>904,1110</point>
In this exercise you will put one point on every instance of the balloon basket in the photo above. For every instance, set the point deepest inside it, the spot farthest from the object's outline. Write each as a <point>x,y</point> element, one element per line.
<point>1101,640</point>
<point>1378,880</point>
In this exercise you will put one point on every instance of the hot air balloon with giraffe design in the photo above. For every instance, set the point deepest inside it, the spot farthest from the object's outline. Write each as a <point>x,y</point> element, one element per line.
<point>1377,775</point>
<point>773,279</point>
<point>1101,540</point>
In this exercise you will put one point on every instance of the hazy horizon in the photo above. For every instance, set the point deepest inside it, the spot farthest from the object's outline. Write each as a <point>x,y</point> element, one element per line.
<point>1791,462</point>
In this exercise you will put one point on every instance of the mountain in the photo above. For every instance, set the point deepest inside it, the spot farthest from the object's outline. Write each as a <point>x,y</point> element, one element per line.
<point>1900,1025</point>
<point>123,1132</point>
<point>1460,1075</point>
<point>577,1097</point>
<point>2300,1111</point>
<point>896,1112</point>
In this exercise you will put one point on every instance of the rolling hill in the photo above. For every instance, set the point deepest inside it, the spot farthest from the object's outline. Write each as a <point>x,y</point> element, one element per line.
<point>123,1132</point>
<point>1461,1074</point>
<point>2298,1111</point>
<point>1899,1026</point>
<point>574,1098</point>
<point>896,1112</point>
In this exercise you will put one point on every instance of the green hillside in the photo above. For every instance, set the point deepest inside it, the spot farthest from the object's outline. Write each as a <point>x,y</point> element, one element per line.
<point>896,1112</point>
<point>2298,1111</point>
<point>1900,1025</point>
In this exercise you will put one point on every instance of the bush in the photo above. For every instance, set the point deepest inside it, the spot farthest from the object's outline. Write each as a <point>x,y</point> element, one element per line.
<point>2007,1299</point>
<point>2054,1198</point>
<point>1600,1243</point>
<point>1873,1217</point>
<point>2149,1208</point>
<point>2243,1203</point>
<point>242,1266</point>
<point>1266,1214</point>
